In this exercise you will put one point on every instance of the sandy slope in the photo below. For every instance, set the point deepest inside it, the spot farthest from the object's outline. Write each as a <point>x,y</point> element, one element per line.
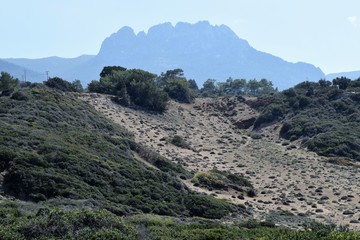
<point>290,181</point>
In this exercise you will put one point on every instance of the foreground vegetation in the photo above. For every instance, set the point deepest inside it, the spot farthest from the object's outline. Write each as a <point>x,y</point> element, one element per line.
<point>48,223</point>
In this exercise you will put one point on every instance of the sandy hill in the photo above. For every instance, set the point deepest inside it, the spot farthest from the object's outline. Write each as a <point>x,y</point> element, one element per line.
<point>291,183</point>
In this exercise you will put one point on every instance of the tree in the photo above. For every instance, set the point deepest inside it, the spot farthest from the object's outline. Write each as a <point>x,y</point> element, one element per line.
<point>95,86</point>
<point>355,83</point>
<point>324,83</point>
<point>132,87</point>
<point>209,87</point>
<point>341,82</point>
<point>193,85</point>
<point>60,84</point>
<point>178,89</point>
<point>238,86</point>
<point>109,69</point>
<point>222,88</point>
<point>253,86</point>
<point>76,84</point>
<point>7,84</point>
<point>163,79</point>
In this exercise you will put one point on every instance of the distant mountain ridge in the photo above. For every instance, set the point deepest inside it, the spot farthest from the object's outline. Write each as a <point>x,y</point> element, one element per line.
<point>352,75</point>
<point>202,50</point>
<point>56,66</point>
<point>20,72</point>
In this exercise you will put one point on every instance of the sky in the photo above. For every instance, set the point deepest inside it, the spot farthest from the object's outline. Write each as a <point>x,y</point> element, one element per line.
<point>325,33</point>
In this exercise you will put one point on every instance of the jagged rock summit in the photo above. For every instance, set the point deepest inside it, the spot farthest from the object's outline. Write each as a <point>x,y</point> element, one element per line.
<point>203,51</point>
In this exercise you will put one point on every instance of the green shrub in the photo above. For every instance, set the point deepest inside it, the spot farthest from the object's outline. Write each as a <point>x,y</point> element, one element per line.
<point>19,96</point>
<point>179,142</point>
<point>7,84</point>
<point>322,116</point>
<point>215,179</point>
<point>131,87</point>
<point>179,90</point>
<point>207,207</point>
<point>60,84</point>
<point>271,113</point>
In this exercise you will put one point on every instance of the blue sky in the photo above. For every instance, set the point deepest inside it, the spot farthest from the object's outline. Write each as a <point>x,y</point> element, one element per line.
<point>325,33</point>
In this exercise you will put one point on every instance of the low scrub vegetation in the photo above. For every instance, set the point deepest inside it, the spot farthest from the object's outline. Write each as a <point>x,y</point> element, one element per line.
<point>325,116</point>
<point>45,223</point>
<point>54,146</point>
<point>180,142</point>
<point>215,179</point>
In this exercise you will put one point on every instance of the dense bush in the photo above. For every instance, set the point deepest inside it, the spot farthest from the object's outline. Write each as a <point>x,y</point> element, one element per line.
<point>59,224</point>
<point>7,84</point>
<point>179,90</point>
<point>325,117</point>
<point>271,113</point>
<point>131,87</point>
<point>179,142</point>
<point>248,230</point>
<point>208,207</point>
<point>215,179</point>
<point>177,86</point>
<point>64,85</point>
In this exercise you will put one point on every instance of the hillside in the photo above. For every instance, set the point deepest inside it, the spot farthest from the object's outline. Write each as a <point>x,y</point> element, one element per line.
<point>58,151</point>
<point>292,184</point>
<point>68,150</point>
<point>323,118</point>
<point>79,166</point>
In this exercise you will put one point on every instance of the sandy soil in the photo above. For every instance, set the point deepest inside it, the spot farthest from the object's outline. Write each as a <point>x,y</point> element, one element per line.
<point>289,180</point>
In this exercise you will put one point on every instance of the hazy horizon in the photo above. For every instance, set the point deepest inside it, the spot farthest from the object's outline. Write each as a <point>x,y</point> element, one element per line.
<point>323,33</point>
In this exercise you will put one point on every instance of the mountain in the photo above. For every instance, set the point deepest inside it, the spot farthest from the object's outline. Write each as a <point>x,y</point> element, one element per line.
<point>352,75</point>
<point>19,72</point>
<point>202,50</point>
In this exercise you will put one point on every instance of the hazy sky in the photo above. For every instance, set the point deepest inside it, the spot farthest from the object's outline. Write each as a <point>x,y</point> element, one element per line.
<point>325,33</point>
